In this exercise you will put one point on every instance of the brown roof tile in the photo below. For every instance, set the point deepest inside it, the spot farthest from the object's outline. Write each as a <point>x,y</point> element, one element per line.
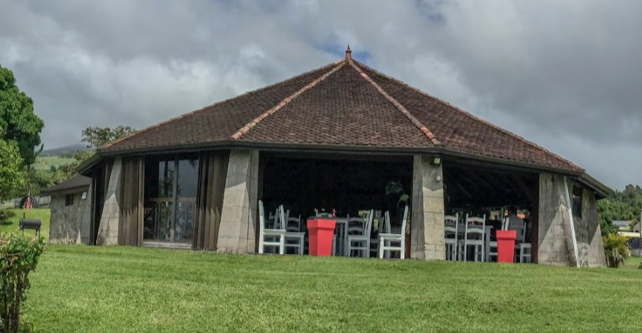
<point>462,132</point>
<point>215,122</point>
<point>345,104</point>
<point>343,109</point>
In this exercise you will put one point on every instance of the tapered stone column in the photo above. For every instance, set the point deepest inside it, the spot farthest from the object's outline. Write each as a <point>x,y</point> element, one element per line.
<point>556,246</point>
<point>237,233</point>
<point>596,256</point>
<point>109,220</point>
<point>427,225</point>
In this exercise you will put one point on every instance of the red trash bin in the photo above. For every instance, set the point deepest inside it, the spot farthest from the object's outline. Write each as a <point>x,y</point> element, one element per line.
<point>505,245</point>
<point>320,236</point>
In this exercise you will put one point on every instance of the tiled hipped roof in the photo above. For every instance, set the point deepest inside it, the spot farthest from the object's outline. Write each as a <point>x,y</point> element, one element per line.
<point>342,104</point>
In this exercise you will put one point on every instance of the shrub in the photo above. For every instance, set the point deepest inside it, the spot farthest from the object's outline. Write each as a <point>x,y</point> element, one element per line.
<point>616,249</point>
<point>18,256</point>
<point>5,215</point>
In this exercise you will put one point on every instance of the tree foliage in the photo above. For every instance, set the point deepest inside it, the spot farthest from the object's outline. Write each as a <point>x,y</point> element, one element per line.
<point>19,125</point>
<point>96,137</point>
<point>623,205</point>
<point>12,177</point>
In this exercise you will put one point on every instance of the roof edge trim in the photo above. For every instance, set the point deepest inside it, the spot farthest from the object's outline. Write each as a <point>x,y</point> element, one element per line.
<point>275,146</point>
<point>285,102</point>
<point>398,105</point>
<point>598,186</point>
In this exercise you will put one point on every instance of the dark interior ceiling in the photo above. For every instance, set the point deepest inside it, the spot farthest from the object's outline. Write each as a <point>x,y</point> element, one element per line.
<point>471,185</point>
<point>350,183</point>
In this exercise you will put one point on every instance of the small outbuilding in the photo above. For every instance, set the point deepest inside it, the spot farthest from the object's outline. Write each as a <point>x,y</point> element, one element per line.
<point>70,211</point>
<point>333,138</point>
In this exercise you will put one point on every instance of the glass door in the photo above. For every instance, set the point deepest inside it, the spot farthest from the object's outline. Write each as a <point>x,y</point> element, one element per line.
<point>170,198</point>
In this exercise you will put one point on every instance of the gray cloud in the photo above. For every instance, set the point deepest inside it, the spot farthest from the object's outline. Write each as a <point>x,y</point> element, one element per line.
<point>564,74</point>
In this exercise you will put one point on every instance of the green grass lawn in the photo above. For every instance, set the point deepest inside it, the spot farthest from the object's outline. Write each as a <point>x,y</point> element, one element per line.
<point>124,289</point>
<point>38,213</point>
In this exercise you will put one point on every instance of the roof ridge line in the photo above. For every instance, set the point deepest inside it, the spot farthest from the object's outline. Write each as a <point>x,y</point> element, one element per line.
<point>470,115</point>
<point>238,134</point>
<point>424,129</point>
<point>211,105</point>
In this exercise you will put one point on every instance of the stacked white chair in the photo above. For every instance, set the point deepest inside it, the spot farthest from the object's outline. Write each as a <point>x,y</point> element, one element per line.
<point>491,247</point>
<point>522,248</point>
<point>451,223</point>
<point>270,237</point>
<point>383,227</point>
<point>387,241</point>
<point>474,236</point>
<point>294,237</point>
<point>359,234</point>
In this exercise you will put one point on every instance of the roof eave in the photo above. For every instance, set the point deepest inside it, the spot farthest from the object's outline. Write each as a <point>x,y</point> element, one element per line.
<point>66,189</point>
<point>602,190</point>
<point>325,148</point>
<point>86,165</point>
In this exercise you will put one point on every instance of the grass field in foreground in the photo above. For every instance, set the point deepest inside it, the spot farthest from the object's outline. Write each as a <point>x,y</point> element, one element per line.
<point>124,289</point>
<point>37,213</point>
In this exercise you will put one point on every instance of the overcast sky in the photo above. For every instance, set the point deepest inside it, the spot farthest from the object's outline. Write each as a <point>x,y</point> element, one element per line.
<point>564,74</point>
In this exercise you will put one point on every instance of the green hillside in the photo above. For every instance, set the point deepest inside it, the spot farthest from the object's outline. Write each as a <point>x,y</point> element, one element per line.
<point>45,162</point>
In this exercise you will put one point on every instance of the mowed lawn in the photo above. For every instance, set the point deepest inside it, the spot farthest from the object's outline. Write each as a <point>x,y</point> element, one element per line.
<point>123,289</point>
<point>37,213</point>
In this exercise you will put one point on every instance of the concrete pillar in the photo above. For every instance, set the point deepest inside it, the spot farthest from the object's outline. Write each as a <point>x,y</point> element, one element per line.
<point>554,230</point>
<point>109,220</point>
<point>582,229</point>
<point>596,256</point>
<point>427,224</point>
<point>237,232</point>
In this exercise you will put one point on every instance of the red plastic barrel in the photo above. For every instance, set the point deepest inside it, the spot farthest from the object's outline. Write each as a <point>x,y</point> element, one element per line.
<point>505,245</point>
<point>320,236</point>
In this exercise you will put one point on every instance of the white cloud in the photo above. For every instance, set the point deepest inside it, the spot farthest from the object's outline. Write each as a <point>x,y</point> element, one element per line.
<point>564,74</point>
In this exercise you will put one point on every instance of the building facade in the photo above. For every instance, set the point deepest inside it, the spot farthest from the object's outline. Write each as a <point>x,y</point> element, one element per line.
<point>333,138</point>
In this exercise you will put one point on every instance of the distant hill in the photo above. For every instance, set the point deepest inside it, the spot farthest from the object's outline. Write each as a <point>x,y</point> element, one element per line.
<point>65,149</point>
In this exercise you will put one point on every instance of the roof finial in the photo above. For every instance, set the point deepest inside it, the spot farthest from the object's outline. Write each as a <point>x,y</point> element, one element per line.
<point>348,53</point>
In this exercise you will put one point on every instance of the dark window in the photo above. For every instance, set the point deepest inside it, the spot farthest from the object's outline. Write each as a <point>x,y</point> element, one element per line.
<point>577,202</point>
<point>69,199</point>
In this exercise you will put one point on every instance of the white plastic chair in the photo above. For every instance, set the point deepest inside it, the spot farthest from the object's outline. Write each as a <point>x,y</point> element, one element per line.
<point>474,236</point>
<point>387,240</point>
<point>359,240</point>
<point>491,247</point>
<point>451,223</point>
<point>270,237</point>
<point>294,238</point>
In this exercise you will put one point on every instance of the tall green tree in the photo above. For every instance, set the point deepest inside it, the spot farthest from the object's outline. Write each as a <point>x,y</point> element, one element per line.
<point>11,171</point>
<point>96,137</point>
<point>19,125</point>
<point>622,205</point>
